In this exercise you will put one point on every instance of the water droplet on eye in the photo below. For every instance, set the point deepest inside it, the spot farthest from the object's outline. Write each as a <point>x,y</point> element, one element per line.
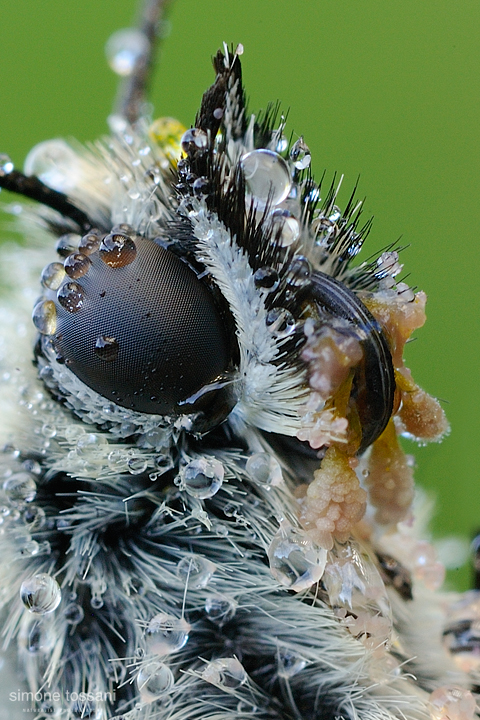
<point>196,571</point>
<point>71,296</point>
<point>41,594</point>
<point>166,634</point>
<point>52,276</point>
<point>194,139</point>
<point>137,465</point>
<point>289,663</point>
<point>44,317</point>
<point>220,610</point>
<point>202,477</point>
<point>34,518</point>
<point>300,154</point>
<point>66,244</point>
<point>90,243</point>
<point>264,469</point>
<point>125,49</point>
<point>154,680</point>
<point>76,265</point>
<point>226,673</point>
<point>299,272</point>
<point>294,559</point>
<point>266,278</point>
<point>106,348</point>
<point>20,488</point>
<point>73,613</point>
<point>6,165</point>
<point>280,322</point>
<point>117,250</point>
<point>267,176</point>
<point>285,227</point>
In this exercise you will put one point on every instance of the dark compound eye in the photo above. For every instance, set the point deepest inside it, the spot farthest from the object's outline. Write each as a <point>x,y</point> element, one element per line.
<point>134,323</point>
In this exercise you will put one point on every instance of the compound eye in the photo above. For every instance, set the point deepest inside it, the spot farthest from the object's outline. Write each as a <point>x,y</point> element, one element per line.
<point>135,323</point>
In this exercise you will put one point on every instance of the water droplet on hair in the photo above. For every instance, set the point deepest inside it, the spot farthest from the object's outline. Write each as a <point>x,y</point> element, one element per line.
<point>289,663</point>
<point>280,322</point>
<point>299,272</point>
<point>196,571</point>
<point>106,348</point>
<point>202,478</point>
<point>137,465</point>
<point>73,613</point>
<point>52,276</point>
<point>266,278</point>
<point>166,634</point>
<point>71,296</point>
<point>76,265</point>
<point>68,243</point>
<point>90,442</point>
<point>44,317</point>
<point>194,139</point>
<point>285,227</point>
<point>125,49</point>
<point>267,176</point>
<point>154,680</point>
<point>227,673</point>
<point>117,250</point>
<point>49,430</point>
<point>6,165</point>
<point>264,469</point>
<point>220,610</point>
<point>163,463</point>
<point>300,154</point>
<point>294,559</point>
<point>41,594</point>
<point>20,488</point>
<point>34,518</point>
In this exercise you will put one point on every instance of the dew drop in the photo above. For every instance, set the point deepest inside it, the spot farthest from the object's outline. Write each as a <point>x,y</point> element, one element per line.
<point>40,594</point>
<point>125,49</point>
<point>300,154</point>
<point>194,139</point>
<point>202,478</point>
<point>166,634</point>
<point>76,265</point>
<point>195,571</point>
<point>220,610</point>
<point>71,296</point>
<point>266,278</point>
<point>264,469</point>
<point>66,244</point>
<point>227,673</point>
<point>289,663</point>
<point>52,276</point>
<point>44,317</point>
<point>89,442</point>
<point>299,272</point>
<point>267,176</point>
<point>6,165</point>
<point>154,680</point>
<point>163,463</point>
<point>137,465</point>
<point>90,243</point>
<point>117,250</point>
<point>73,613</point>
<point>285,227</point>
<point>20,488</point>
<point>34,518</point>
<point>280,322</point>
<point>294,559</point>
<point>106,348</point>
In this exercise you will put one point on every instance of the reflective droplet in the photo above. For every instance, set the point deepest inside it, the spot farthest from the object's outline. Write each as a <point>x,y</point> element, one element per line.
<point>73,613</point>
<point>154,680</point>
<point>267,176</point>
<point>41,594</point>
<point>90,243</point>
<point>300,154</point>
<point>55,163</point>
<point>137,465</point>
<point>163,463</point>
<point>117,250</point>
<point>66,244</point>
<point>76,265</point>
<point>299,272</point>
<point>49,430</point>
<point>52,276</point>
<point>194,139</point>
<point>227,673</point>
<point>166,634</point>
<point>6,165</point>
<point>44,317</point>
<point>220,610</point>
<point>202,477</point>
<point>280,322</point>
<point>294,559</point>
<point>34,518</point>
<point>71,296</point>
<point>266,278</point>
<point>20,488</point>
<point>289,663</point>
<point>125,49</point>
<point>90,442</point>
<point>264,469</point>
<point>285,228</point>
<point>106,348</point>
<point>201,186</point>
<point>195,571</point>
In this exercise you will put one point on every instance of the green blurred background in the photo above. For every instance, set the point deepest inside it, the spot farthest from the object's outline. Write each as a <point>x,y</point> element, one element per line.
<point>381,89</point>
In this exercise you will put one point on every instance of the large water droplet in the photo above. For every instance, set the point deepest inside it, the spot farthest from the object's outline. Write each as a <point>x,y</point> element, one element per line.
<point>202,477</point>
<point>117,250</point>
<point>267,176</point>
<point>154,680</point>
<point>20,488</point>
<point>266,278</point>
<point>52,276</point>
<point>55,163</point>
<point>220,610</point>
<point>125,49</point>
<point>226,673</point>
<point>41,594</point>
<point>280,322</point>
<point>90,242</point>
<point>196,571</point>
<point>264,469</point>
<point>44,317</point>
<point>285,228</point>
<point>193,139</point>
<point>166,634</point>
<point>299,272</point>
<point>300,154</point>
<point>294,559</point>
